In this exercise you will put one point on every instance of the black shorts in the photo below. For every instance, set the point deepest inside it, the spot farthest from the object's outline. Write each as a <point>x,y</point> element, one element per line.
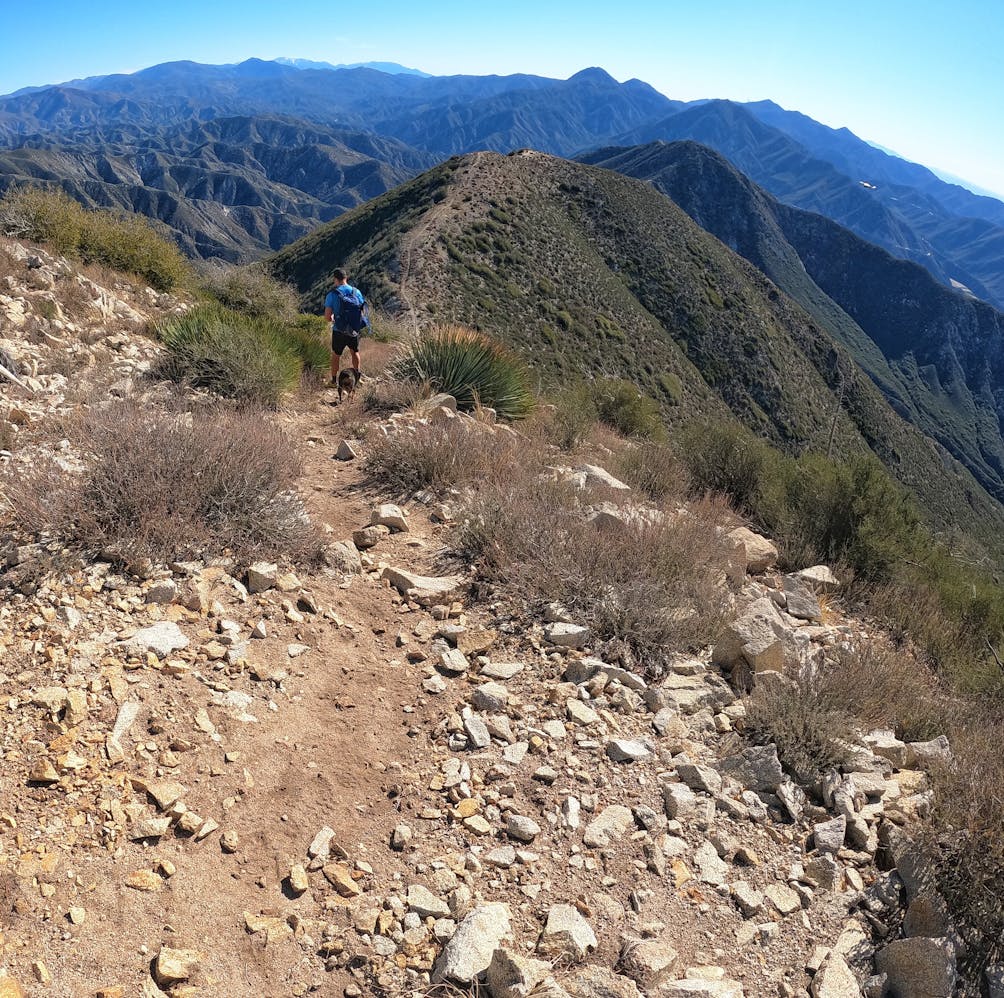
<point>341,340</point>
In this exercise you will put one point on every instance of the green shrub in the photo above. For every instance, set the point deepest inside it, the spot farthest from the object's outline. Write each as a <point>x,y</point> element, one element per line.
<point>622,406</point>
<point>470,366</point>
<point>254,291</point>
<point>123,242</point>
<point>251,360</point>
<point>852,513</point>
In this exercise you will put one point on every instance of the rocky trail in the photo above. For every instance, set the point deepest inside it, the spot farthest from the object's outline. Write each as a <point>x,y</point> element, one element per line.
<point>230,780</point>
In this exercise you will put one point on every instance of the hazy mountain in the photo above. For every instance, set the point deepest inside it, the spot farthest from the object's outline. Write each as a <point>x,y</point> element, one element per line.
<point>382,67</point>
<point>937,356</point>
<point>231,187</point>
<point>590,272</point>
<point>829,175</point>
<point>903,207</point>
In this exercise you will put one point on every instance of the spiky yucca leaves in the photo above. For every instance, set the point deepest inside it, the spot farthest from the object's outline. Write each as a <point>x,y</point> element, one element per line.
<point>470,366</point>
<point>252,360</point>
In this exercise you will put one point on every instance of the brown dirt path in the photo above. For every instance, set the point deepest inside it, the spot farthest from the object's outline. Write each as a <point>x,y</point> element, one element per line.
<point>335,751</point>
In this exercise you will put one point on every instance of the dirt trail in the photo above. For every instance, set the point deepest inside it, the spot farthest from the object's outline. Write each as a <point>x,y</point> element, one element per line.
<point>331,753</point>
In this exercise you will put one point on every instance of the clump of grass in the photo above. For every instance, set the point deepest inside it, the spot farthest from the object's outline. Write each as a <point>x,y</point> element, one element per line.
<point>655,469</point>
<point>251,360</point>
<point>117,240</point>
<point>169,485</point>
<point>470,366</point>
<point>812,732</point>
<point>569,416</point>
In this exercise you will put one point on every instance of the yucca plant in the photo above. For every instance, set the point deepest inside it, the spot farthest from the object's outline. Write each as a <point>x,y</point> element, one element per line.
<point>470,366</point>
<point>251,360</point>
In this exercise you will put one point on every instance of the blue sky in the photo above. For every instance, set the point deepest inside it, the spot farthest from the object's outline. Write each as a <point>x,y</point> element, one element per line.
<point>921,78</point>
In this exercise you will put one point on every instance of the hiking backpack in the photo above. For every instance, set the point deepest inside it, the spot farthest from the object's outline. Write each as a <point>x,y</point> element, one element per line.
<point>350,310</point>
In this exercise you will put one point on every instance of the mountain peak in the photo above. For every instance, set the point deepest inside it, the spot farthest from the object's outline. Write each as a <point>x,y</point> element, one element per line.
<point>594,74</point>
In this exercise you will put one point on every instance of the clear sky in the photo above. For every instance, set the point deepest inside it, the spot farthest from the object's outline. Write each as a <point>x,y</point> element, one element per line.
<point>921,77</point>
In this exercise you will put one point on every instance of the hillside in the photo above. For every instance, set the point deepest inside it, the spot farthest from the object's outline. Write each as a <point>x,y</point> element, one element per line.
<point>936,355</point>
<point>233,187</point>
<point>925,224</point>
<point>361,776</point>
<point>589,273</point>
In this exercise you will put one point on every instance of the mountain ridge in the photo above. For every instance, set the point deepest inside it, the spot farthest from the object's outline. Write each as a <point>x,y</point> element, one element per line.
<point>645,294</point>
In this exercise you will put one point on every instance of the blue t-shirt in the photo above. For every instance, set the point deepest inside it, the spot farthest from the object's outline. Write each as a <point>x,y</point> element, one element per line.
<point>334,301</point>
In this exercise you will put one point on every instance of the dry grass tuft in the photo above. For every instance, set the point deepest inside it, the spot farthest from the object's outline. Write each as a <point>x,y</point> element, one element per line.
<point>168,485</point>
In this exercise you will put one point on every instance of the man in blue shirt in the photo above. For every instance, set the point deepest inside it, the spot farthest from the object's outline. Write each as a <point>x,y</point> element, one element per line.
<point>345,308</point>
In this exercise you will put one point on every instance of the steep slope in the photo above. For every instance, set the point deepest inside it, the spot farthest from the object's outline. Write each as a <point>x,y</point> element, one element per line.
<point>909,222</point>
<point>857,158</point>
<point>588,272</point>
<point>937,356</point>
<point>232,187</point>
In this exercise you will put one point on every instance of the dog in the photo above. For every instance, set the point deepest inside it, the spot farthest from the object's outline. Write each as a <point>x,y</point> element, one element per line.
<point>348,378</point>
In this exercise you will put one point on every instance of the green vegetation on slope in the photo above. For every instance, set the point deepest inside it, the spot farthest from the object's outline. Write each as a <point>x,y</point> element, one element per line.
<point>120,241</point>
<point>590,274</point>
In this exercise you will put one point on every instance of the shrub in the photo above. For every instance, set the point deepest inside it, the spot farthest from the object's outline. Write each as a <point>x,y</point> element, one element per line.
<point>123,242</point>
<point>569,416</point>
<point>254,291</point>
<point>251,360</point>
<point>810,730</point>
<point>655,469</point>
<point>169,486</point>
<point>965,840</point>
<point>650,587</point>
<point>439,457</point>
<point>628,410</point>
<point>470,366</point>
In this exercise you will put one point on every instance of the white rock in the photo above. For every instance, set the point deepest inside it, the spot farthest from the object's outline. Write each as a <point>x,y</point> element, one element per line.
<point>161,638</point>
<point>610,824</point>
<point>567,934</point>
<point>470,950</point>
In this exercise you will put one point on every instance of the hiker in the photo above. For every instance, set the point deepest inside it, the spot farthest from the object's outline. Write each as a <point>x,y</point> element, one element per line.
<point>345,308</point>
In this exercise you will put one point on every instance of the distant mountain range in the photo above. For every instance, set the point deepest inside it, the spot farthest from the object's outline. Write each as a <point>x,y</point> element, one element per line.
<point>57,135</point>
<point>593,272</point>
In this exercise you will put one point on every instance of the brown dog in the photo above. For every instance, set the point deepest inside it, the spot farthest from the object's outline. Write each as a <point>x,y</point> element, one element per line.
<point>348,378</point>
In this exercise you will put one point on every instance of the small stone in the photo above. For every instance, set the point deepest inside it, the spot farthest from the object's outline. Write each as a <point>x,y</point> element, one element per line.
<point>262,576</point>
<point>567,934</point>
<point>230,841</point>
<point>346,452</point>
<point>340,877</point>
<point>580,713</point>
<point>610,824</point>
<point>161,639</point>
<point>627,750</point>
<point>566,635</point>
<point>503,857</point>
<point>389,515</point>
<point>700,778</point>
<point>43,772</point>
<point>144,880</point>
<point>298,882</point>
<point>400,837</point>
<point>471,948</point>
<point>521,828</point>
<point>424,903</point>
<point>649,962</point>
<point>783,898</point>
<point>77,915</point>
<point>748,900</point>
<point>711,868</point>
<point>174,965</point>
